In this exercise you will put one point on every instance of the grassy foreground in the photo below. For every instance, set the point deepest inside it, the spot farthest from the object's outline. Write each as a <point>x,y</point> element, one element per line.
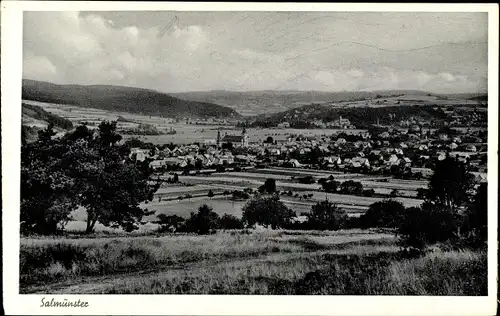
<point>349,262</point>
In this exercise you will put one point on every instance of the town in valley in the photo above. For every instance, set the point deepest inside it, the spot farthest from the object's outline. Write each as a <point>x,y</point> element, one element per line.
<point>194,173</point>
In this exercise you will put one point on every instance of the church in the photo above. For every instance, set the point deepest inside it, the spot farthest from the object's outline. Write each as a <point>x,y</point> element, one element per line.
<point>242,140</point>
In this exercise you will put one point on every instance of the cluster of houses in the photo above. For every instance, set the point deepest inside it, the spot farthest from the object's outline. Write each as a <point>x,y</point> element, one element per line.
<point>411,149</point>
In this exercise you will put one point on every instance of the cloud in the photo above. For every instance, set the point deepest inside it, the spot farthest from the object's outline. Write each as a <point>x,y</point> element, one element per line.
<point>39,68</point>
<point>217,51</point>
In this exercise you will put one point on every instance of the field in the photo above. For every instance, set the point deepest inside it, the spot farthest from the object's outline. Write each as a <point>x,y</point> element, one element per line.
<point>350,262</point>
<point>199,187</point>
<point>186,133</point>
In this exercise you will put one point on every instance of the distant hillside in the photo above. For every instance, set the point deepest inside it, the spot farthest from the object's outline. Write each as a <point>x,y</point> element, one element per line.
<point>361,117</point>
<point>36,116</point>
<point>268,102</point>
<point>122,99</point>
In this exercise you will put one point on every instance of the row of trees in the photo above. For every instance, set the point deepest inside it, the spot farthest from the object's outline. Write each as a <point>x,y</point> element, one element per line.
<point>265,210</point>
<point>84,168</point>
<point>455,210</point>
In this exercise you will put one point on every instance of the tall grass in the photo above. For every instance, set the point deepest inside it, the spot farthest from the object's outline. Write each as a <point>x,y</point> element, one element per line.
<point>351,262</point>
<point>375,274</point>
<point>49,260</point>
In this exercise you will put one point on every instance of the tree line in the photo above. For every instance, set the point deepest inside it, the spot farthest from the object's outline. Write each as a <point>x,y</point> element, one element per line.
<point>454,211</point>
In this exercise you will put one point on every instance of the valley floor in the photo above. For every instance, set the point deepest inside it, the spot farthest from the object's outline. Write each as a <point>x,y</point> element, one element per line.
<point>348,262</point>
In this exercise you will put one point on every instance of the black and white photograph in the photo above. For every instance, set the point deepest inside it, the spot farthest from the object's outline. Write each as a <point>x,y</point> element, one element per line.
<point>254,153</point>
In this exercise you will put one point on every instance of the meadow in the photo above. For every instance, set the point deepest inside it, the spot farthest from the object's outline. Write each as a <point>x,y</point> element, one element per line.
<point>348,262</point>
<point>186,133</point>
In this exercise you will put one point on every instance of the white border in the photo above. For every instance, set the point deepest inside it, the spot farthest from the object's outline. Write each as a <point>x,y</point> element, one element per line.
<point>15,304</point>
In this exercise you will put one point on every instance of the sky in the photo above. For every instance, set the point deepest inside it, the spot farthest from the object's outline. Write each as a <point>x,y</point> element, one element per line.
<point>174,51</point>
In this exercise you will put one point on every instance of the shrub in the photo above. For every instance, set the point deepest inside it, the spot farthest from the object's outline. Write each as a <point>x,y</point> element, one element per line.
<point>306,180</point>
<point>427,225</point>
<point>351,187</point>
<point>228,221</point>
<point>220,169</point>
<point>369,192</point>
<point>269,186</point>
<point>326,216</point>
<point>210,194</point>
<point>386,213</point>
<point>421,193</point>
<point>206,221</point>
<point>475,225</point>
<point>169,223</point>
<point>267,211</point>
<point>330,186</point>
<point>240,195</point>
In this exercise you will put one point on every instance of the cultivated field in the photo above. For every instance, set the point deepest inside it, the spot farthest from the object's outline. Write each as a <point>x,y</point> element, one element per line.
<point>349,262</point>
<point>186,133</point>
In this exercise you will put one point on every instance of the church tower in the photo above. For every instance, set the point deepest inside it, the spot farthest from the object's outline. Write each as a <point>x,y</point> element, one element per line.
<point>218,138</point>
<point>244,138</point>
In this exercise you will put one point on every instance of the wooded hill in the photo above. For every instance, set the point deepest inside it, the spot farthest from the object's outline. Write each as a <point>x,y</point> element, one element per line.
<point>123,99</point>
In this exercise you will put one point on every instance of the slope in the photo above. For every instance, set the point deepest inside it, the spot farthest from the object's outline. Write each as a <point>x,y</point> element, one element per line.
<point>122,99</point>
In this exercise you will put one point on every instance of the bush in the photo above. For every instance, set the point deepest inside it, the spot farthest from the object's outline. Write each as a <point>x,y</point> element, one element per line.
<point>267,211</point>
<point>326,216</point>
<point>330,186</point>
<point>386,213</point>
<point>306,180</point>
<point>351,187</point>
<point>241,195</point>
<point>169,223</point>
<point>421,193</point>
<point>369,192</point>
<point>427,225</point>
<point>475,225</point>
<point>229,221</point>
<point>206,221</point>
<point>269,186</point>
<point>220,169</point>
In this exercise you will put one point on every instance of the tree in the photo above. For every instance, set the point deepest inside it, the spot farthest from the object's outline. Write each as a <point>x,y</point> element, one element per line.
<point>325,215</point>
<point>427,224</point>
<point>169,223</point>
<point>206,221</point>
<point>451,184</point>
<point>476,218</point>
<point>269,140</point>
<point>229,221</point>
<point>48,193</point>
<point>330,186</point>
<point>267,211</point>
<point>369,192</point>
<point>176,178</point>
<point>220,168</point>
<point>421,193</point>
<point>240,195</point>
<point>351,187</point>
<point>269,186</point>
<point>386,213</point>
<point>306,180</point>
<point>210,194</point>
<point>111,186</point>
